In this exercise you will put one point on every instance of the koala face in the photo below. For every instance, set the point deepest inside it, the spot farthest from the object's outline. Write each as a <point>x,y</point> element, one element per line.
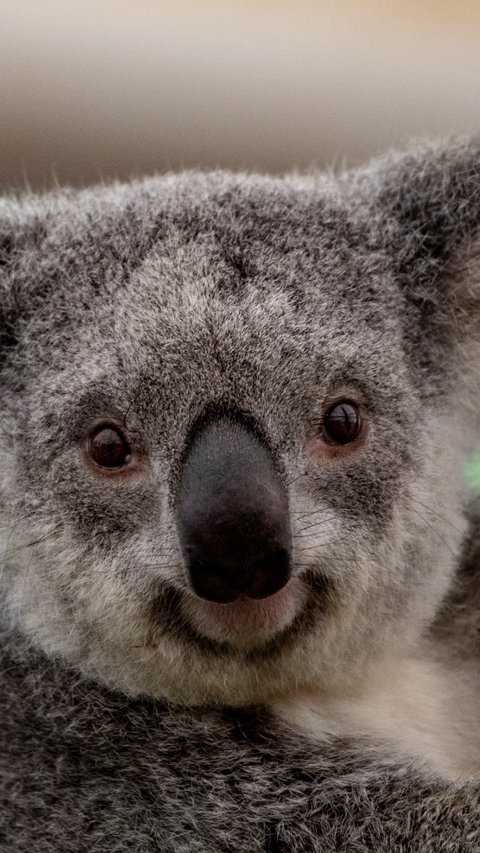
<point>235,410</point>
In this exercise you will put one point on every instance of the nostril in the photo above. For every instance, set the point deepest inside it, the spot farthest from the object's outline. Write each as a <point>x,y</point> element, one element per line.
<point>270,575</point>
<point>259,580</point>
<point>212,584</point>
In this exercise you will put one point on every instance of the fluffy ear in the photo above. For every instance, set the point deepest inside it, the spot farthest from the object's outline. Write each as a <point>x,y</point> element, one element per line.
<point>423,208</point>
<point>7,251</point>
<point>427,204</point>
<point>21,229</point>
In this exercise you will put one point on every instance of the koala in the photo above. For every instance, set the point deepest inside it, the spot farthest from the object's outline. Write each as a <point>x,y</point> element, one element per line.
<point>239,559</point>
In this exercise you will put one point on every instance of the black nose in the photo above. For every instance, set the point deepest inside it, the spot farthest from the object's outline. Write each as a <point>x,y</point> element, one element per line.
<point>232,515</point>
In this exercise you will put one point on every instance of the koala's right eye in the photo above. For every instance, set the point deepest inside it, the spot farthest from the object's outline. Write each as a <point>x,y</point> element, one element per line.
<point>342,423</point>
<point>108,448</point>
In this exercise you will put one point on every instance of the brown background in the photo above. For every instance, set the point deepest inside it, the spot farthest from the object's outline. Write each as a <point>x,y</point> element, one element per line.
<point>91,89</point>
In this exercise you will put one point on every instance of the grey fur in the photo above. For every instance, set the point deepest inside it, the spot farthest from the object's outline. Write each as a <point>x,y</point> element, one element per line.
<point>149,302</point>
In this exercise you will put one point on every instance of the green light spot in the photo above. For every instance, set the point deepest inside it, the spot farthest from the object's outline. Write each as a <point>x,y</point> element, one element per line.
<point>473,473</point>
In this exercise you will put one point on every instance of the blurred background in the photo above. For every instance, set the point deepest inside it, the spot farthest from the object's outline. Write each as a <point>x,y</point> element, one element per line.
<point>93,89</point>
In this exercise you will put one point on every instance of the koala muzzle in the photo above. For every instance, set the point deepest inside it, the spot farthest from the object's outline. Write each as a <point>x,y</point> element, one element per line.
<point>232,515</point>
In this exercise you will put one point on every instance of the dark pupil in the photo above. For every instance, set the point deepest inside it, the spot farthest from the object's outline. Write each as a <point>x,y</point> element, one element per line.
<point>342,423</point>
<point>109,449</point>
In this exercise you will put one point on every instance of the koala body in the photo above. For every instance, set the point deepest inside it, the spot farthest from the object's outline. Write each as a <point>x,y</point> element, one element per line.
<point>234,416</point>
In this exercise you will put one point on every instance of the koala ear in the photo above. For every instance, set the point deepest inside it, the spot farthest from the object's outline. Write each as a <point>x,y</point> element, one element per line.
<point>427,205</point>
<point>8,231</point>
<point>22,227</point>
<point>423,208</point>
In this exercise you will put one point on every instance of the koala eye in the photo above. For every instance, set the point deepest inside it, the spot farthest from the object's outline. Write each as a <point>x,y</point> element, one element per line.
<point>108,448</point>
<point>341,423</point>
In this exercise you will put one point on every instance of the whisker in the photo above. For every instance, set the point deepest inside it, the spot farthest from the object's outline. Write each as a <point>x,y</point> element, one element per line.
<point>301,534</point>
<point>431,526</point>
<point>295,479</point>
<point>439,515</point>
<point>38,541</point>
<point>318,511</point>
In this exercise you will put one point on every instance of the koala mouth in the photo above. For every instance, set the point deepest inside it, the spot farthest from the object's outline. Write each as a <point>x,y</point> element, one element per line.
<point>245,622</point>
<point>246,626</point>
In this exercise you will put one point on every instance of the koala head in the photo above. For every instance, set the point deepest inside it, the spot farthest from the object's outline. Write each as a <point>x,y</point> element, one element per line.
<point>233,416</point>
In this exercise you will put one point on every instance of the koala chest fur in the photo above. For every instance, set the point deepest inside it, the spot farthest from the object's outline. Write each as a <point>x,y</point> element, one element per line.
<point>234,530</point>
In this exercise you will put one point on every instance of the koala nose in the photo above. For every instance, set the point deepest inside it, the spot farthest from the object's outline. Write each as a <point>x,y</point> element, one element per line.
<point>232,515</point>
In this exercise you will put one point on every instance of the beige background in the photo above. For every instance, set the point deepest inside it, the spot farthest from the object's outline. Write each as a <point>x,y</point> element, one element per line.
<point>91,89</point>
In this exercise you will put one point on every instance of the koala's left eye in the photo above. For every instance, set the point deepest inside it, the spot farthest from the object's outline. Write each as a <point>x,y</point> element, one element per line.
<point>108,448</point>
<point>342,423</point>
